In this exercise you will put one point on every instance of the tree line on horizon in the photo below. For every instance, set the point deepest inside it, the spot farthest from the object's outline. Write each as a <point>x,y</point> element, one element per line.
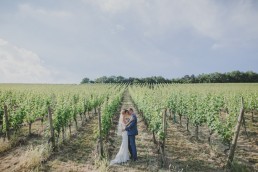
<point>229,77</point>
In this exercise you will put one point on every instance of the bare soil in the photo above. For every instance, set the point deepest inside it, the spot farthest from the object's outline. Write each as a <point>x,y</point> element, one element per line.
<point>76,154</point>
<point>10,159</point>
<point>185,153</point>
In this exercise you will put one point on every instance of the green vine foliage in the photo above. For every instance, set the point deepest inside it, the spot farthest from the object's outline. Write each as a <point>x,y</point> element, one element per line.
<point>214,105</point>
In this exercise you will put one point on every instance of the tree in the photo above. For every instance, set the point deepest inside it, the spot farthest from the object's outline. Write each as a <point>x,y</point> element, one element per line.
<point>229,77</point>
<point>85,80</point>
<point>120,79</point>
<point>102,79</point>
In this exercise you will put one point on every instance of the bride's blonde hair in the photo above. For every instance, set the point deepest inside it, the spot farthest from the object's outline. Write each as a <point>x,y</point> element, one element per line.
<point>123,111</point>
<point>119,126</point>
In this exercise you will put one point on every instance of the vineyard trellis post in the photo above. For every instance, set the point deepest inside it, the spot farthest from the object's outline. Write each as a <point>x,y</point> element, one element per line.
<point>6,122</point>
<point>237,129</point>
<point>252,116</point>
<point>174,118</point>
<point>164,125</point>
<point>95,110</point>
<point>51,127</point>
<point>100,135</point>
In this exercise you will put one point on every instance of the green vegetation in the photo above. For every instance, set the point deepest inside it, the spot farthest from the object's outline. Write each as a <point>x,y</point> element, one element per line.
<point>29,103</point>
<point>229,77</point>
<point>216,105</point>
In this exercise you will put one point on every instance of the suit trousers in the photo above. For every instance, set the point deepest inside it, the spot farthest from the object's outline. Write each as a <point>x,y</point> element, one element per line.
<point>132,146</point>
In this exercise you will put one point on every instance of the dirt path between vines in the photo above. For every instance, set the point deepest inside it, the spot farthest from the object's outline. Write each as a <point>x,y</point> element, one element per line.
<point>76,154</point>
<point>72,157</point>
<point>10,160</point>
<point>147,158</point>
<point>184,153</point>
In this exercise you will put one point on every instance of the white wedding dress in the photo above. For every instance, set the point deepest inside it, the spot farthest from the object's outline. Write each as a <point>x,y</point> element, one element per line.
<point>123,154</point>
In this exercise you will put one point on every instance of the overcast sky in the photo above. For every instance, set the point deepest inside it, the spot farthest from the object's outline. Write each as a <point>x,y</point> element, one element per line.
<point>62,41</point>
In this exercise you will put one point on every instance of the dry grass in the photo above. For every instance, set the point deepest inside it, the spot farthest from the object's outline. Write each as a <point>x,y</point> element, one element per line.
<point>69,166</point>
<point>33,157</point>
<point>5,145</point>
<point>239,167</point>
<point>102,165</point>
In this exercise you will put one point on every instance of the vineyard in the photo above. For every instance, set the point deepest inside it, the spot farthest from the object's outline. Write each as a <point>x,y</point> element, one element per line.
<point>182,127</point>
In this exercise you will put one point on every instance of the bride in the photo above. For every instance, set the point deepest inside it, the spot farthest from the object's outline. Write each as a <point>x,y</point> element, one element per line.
<point>122,155</point>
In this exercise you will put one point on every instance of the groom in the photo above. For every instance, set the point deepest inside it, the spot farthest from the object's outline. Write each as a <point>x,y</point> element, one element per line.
<point>132,131</point>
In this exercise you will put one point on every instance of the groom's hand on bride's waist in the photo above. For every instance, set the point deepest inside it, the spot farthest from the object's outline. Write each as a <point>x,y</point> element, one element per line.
<point>128,123</point>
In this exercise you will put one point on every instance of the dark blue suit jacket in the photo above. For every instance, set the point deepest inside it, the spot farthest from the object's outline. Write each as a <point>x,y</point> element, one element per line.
<point>132,127</point>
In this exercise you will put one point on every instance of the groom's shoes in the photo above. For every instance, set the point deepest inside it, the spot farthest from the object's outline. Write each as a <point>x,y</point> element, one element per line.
<point>133,159</point>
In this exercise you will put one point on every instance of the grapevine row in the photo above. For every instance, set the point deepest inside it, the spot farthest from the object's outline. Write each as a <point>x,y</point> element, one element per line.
<point>66,102</point>
<point>214,105</point>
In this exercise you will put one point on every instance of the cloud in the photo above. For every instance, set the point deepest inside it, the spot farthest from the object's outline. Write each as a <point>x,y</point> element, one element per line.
<point>111,6</point>
<point>30,10</point>
<point>21,65</point>
<point>226,23</point>
<point>100,37</point>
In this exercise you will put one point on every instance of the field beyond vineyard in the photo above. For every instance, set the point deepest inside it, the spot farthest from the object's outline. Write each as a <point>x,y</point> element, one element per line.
<point>182,127</point>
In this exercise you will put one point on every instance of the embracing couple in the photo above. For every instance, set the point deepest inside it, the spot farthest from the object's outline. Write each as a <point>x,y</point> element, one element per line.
<point>127,128</point>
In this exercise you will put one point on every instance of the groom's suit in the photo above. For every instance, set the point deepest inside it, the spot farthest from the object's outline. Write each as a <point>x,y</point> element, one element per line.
<point>132,130</point>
